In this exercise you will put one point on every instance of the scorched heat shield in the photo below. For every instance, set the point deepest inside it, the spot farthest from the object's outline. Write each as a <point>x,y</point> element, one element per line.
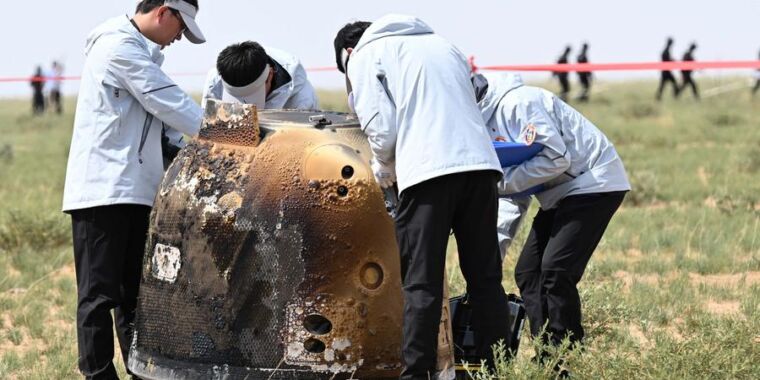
<point>270,253</point>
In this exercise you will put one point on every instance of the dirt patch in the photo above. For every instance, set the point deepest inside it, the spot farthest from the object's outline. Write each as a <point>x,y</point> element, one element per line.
<point>724,308</point>
<point>13,273</point>
<point>658,205</point>
<point>704,178</point>
<point>673,330</point>
<point>26,344</point>
<point>725,280</point>
<point>718,280</point>
<point>698,145</point>
<point>66,271</point>
<point>5,321</point>
<point>15,292</point>
<point>645,340</point>
<point>637,334</point>
<point>710,202</point>
<point>662,205</point>
<point>56,319</point>
<point>628,279</point>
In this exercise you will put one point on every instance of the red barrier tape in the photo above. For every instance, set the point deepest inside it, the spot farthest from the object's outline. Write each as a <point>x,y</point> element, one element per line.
<point>567,67</point>
<point>658,66</point>
<point>37,79</point>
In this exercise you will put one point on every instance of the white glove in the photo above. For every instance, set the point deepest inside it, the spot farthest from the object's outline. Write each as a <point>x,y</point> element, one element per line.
<point>385,175</point>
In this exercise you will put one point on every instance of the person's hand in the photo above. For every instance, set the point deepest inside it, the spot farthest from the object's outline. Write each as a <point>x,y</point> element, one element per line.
<point>385,175</point>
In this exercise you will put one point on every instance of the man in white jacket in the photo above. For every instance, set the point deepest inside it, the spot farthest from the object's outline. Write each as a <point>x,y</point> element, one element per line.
<point>115,166</point>
<point>412,94</point>
<point>269,78</point>
<point>582,182</point>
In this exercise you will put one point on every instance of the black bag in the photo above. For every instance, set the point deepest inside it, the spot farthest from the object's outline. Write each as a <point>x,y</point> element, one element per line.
<point>464,338</point>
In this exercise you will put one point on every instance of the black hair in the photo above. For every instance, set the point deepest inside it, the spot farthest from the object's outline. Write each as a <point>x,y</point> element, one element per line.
<point>348,37</point>
<point>145,6</point>
<point>241,64</point>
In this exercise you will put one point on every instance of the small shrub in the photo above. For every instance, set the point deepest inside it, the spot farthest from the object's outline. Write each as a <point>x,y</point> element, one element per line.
<point>6,153</point>
<point>751,162</point>
<point>725,119</point>
<point>554,359</point>
<point>644,189</point>
<point>18,230</point>
<point>640,111</point>
<point>14,335</point>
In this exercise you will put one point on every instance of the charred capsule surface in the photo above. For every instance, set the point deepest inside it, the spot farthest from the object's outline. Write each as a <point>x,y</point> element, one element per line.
<point>270,253</point>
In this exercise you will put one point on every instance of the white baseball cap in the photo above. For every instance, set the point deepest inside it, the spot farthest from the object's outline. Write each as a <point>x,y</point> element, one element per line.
<point>252,93</point>
<point>188,13</point>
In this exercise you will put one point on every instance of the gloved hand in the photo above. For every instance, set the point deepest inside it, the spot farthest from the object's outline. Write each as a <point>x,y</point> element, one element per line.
<point>385,175</point>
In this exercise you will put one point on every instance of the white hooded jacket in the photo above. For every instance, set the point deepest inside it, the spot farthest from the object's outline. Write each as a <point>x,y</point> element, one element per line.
<point>124,102</point>
<point>415,102</point>
<point>577,157</point>
<point>296,94</point>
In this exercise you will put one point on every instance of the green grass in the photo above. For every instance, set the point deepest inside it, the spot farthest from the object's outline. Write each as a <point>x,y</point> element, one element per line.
<point>673,291</point>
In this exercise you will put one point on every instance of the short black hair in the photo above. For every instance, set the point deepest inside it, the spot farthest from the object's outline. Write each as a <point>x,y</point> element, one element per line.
<point>347,37</point>
<point>241,64</point>
<point>145,6</point>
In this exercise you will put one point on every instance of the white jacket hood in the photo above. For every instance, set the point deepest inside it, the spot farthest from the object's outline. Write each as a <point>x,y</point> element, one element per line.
<point>415,102</point>
<point>491,88</point>
<point>119,25</point>
<point>393,25</point>
<point>114,25</point>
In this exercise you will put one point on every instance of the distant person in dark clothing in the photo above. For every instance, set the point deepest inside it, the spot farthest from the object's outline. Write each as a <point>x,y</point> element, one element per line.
<point>666,76</point>
<point>686,74</point>
<point>584,76</point>
<point>562,76</point>
<point>757,82</point>
<point>38,99</point>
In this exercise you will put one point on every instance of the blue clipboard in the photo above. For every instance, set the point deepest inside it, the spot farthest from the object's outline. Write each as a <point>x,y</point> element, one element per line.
<point>511,153</point>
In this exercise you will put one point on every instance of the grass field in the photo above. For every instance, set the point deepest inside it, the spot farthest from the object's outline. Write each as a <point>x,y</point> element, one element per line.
<point>672,292</point>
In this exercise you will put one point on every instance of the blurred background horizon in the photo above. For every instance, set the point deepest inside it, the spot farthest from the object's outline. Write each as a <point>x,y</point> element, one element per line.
<point>495,32</point>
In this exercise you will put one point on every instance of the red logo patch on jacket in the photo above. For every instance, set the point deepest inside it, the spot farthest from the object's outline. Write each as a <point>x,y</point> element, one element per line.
<point>530,134</point>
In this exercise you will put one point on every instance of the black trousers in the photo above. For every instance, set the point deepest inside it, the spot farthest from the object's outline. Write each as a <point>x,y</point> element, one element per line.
<point>109,243</point>
<point>38,102</point>
<point>564,85</point>
<point>665,78</point>
<point>585,79</point>
<point>427,212</point>
<point>55,100</point>
<point>689,81</point>
<point>554,258</point>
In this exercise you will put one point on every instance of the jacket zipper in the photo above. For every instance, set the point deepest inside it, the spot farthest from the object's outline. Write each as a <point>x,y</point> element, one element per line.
<point>144,137</point>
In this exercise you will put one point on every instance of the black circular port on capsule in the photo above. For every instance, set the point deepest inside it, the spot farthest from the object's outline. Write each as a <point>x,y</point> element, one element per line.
<point>317,324</point>
<point>342,191</point>
<point>315,346</point>
<point>347,172</point>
